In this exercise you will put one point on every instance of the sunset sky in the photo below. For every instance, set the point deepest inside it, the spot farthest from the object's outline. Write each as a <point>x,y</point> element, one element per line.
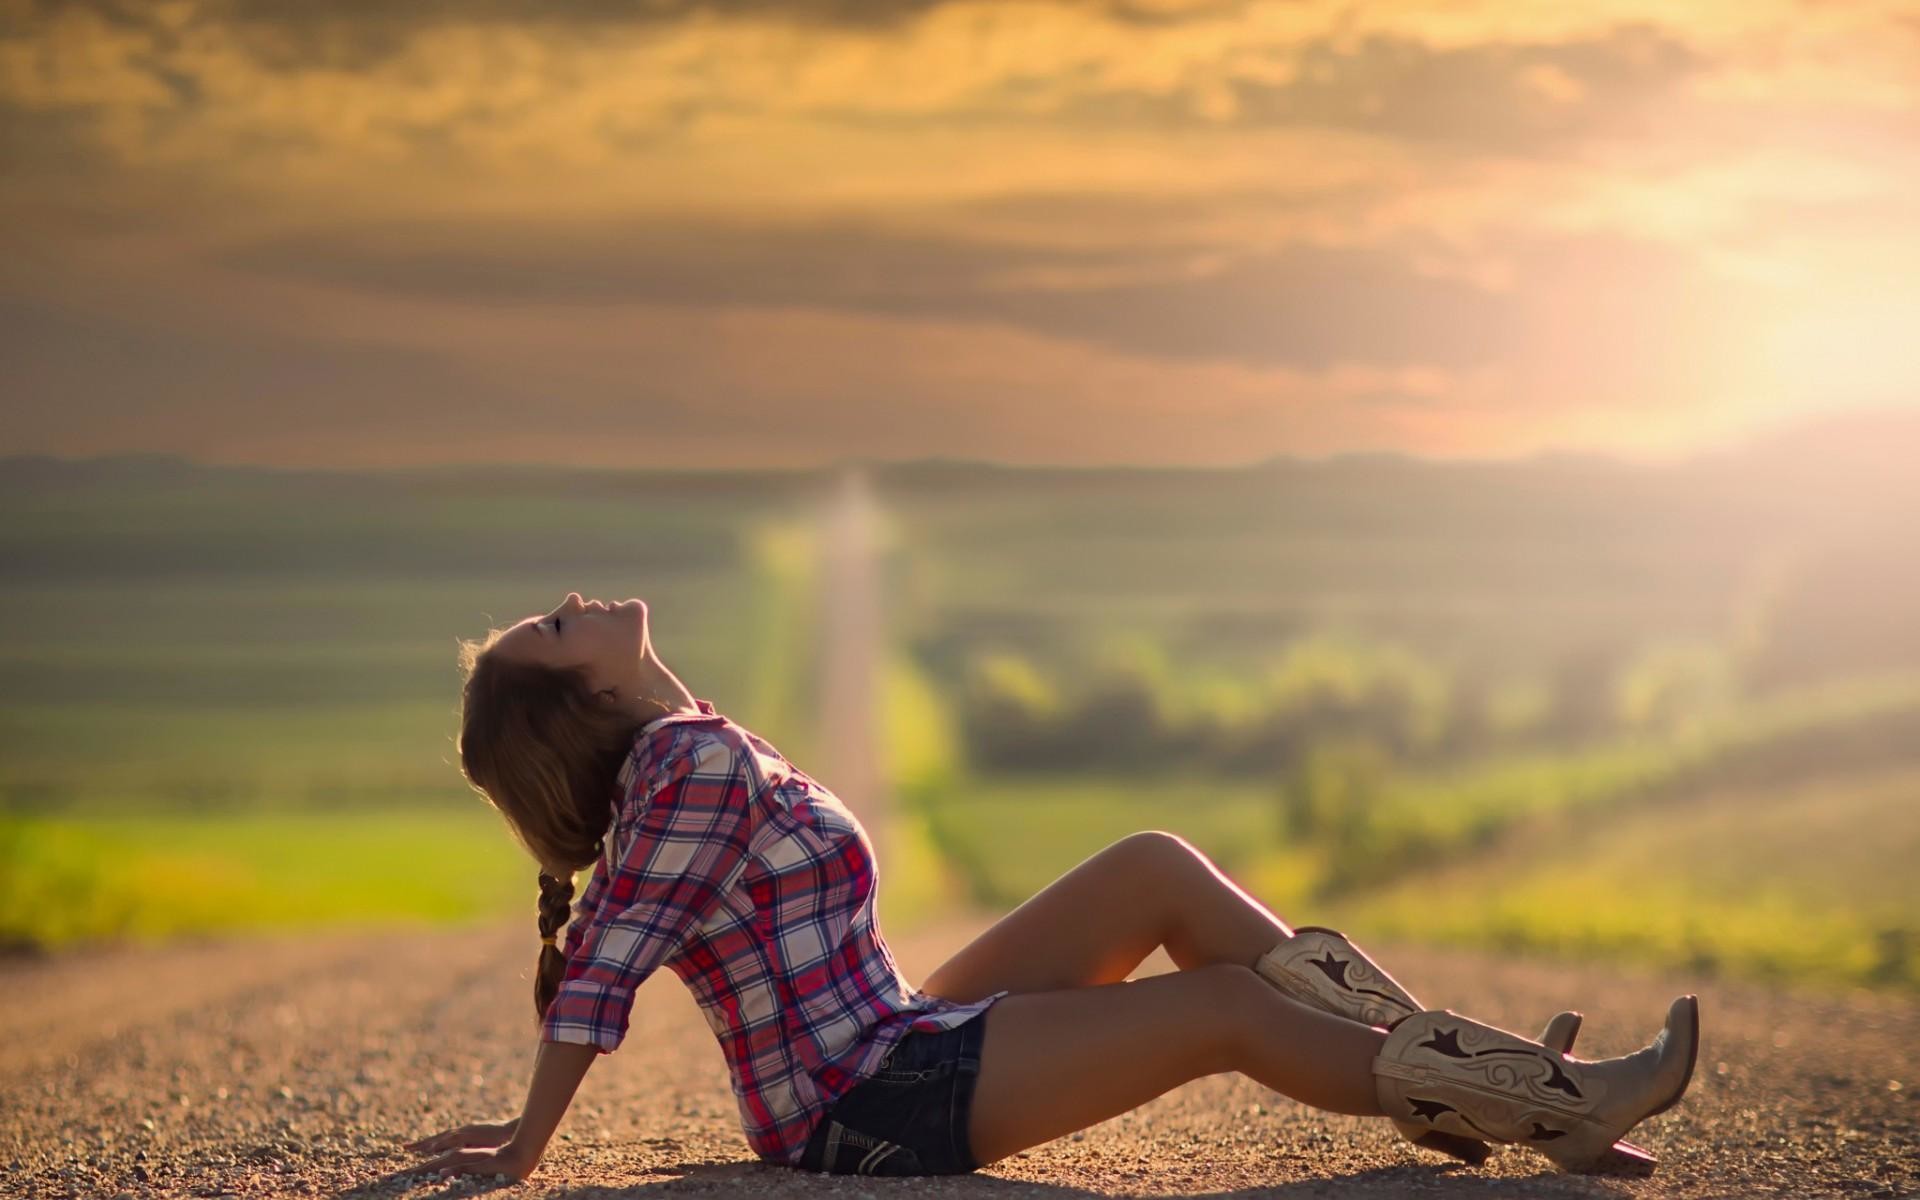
<point>672,233</point>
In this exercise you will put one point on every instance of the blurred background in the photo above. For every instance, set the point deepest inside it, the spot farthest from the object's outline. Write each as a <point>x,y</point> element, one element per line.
<point>1453,464</point>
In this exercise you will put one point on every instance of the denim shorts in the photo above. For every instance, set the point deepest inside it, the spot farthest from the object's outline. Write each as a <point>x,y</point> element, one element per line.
<point>910,1116</point>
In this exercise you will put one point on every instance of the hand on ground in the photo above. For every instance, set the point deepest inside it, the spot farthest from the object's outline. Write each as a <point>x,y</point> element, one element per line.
<point>467,1137</point>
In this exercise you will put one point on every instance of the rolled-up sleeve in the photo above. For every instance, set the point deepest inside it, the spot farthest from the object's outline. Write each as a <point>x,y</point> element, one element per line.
<point>671,869</point>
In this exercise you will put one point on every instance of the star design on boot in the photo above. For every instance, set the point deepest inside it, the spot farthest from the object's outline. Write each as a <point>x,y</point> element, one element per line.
<point>1427,1110</point>
<point>1333,969</point>
<point>1542,1134</point>
<point>1447,1042</point>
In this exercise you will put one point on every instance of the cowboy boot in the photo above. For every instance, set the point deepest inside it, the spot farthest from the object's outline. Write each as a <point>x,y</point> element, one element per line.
<point>1442,1070</point>
<point>1321,968</point>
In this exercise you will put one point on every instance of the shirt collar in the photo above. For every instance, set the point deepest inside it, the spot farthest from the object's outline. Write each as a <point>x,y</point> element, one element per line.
<point>675,718</point>
<point>644,743</point>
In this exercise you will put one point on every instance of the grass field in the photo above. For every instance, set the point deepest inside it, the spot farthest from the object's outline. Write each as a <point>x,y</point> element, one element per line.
<point>1508,567</point>
<point>248,640</point>
<point>1810,883</point>
<point>1010,837</point>
<point>90,878</point>
<point>1409,821</point>
<point>1834,850</point>
<point>1813,882</point>
<point>119,877</point>
<point>281,691</point>
<point>228,699</point>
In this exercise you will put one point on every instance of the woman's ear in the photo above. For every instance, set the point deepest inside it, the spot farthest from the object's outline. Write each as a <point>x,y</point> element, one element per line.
<point>607,696</point>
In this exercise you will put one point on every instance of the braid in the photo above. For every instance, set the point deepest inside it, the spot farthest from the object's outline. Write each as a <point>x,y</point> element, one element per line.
<point>556,899</point>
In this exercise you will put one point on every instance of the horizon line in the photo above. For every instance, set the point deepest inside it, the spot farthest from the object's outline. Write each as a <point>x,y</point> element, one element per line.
<point>1747,441</point>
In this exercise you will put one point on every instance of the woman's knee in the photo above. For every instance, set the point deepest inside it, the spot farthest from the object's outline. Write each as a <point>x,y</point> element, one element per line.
<point>1156,853</point>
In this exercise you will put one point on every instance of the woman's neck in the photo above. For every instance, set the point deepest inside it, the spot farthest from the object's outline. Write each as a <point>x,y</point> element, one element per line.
<point>660,692</point>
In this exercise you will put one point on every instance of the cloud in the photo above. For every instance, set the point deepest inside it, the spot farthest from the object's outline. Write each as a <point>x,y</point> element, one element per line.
<point>139,385</point>
<point>226,85</point>
<point>1496,96</point>
<point>1299,305</point>
<point>360,34</point>
<point>1586,319</point>
<point>812,340</point>
<point>1446,228</point>
<point>380,381</point>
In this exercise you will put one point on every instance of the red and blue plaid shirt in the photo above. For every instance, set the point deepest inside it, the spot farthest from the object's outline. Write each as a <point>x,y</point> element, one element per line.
<point>755,885</point>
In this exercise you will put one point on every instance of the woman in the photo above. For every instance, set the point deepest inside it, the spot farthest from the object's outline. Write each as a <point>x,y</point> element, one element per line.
<point>716,857</point>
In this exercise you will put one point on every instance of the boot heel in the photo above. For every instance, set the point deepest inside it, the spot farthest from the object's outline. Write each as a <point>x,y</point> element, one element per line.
<point>1619,1157</point>
<point>1623,1158</point>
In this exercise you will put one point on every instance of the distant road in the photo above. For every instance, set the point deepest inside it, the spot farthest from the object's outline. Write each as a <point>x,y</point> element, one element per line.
<point>851,650</point>
<point>297,1066</point>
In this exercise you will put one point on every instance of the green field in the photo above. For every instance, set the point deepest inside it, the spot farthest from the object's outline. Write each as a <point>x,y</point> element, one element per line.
<point>1813,882</point>
<point>228,698</point>
<point>284,691</point>
<point>1542,854</point>
<point>100,878</point>
<point>263,642</point>
<point>1009,837</point>
<point>91,878</point>
<point>1810,883</point>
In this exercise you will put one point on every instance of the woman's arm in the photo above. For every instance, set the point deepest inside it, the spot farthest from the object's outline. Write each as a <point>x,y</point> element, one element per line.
<point>674,863</point>
<point>558,1068</point>
<point>683,853</point>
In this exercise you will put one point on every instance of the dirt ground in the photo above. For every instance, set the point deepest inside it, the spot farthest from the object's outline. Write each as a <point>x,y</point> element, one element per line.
<point>298,1066</point>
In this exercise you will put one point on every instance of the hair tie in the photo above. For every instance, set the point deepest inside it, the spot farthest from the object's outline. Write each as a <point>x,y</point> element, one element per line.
<point>548,939</point>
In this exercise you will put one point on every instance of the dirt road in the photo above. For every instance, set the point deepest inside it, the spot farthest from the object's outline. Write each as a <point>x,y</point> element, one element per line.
<point>298,1066</point>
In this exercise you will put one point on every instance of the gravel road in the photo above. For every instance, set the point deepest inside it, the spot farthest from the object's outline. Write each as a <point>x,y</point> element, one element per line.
<point>297,1067</point>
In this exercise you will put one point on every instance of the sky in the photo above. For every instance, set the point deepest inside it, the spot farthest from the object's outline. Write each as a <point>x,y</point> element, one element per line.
<point>789,232</point>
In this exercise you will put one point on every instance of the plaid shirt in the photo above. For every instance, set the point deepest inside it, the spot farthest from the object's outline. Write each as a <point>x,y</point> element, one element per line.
<point>755,885</point>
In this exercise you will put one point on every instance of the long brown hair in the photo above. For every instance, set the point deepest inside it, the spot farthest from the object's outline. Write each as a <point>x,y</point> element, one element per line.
<point>545,752</point>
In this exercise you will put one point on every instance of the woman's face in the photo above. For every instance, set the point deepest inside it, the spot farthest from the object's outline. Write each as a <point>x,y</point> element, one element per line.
<point>607,640</point>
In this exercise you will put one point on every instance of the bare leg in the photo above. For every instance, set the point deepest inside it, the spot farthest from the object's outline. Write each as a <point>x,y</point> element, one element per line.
<point>1097,922</point>
<point>1058,1061</point>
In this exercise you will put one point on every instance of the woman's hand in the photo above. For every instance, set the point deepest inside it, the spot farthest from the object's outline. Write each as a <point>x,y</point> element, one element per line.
<point>557,1070</point>
<point>467,1137</point>
<point>509,1160</point>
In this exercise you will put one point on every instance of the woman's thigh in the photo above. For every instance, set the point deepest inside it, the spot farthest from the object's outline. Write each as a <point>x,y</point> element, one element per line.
<point>1058,1061</point>
<point>1093,925</point>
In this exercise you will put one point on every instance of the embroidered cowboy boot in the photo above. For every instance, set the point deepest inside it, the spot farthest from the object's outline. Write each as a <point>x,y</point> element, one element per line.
<point>1320,967</point>
<point>1442,1070</point>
